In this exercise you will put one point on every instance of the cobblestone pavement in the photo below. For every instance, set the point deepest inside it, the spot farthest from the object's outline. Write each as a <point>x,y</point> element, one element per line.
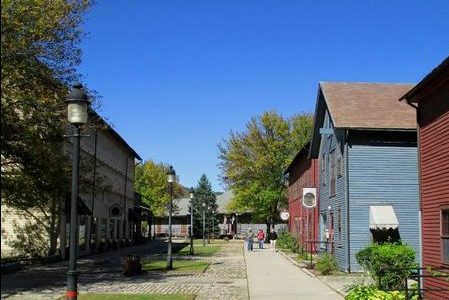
<point>225,278</point>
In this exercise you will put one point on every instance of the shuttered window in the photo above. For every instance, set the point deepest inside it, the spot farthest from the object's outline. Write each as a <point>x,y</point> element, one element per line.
<point>445,235</point>
<point>332,172</point>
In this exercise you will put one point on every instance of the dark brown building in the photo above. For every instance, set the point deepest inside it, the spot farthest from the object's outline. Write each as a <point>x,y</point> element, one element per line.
<point>431,99</point>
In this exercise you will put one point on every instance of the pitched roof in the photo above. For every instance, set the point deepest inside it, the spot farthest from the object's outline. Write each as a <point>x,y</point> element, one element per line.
<point>437,76</point>
<point>368,105</point>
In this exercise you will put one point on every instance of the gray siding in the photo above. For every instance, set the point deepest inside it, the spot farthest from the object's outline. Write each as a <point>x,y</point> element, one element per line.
<point>383,175</point>
<point>337,201</point>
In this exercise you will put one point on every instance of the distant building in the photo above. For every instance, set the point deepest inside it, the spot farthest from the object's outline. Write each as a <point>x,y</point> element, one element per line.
<point>430,98</point>
<point>106,194</point>
<point>230,223</point>
<point>365,141</point>
<point>303,221</point>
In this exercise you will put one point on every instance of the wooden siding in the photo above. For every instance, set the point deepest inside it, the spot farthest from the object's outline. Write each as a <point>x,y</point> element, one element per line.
<point>337,201</point>
<point>383,175</point>
<point>303,222</point>
<point>434,158</point>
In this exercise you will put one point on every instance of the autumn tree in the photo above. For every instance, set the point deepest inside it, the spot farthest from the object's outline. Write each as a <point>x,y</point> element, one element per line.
<point>151,183</point>
<point>39,53</point>
<point>252,162</point>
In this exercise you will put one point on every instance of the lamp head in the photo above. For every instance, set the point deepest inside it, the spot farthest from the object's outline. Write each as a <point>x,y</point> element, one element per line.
<point>171,174</point>
<point>77,104</point>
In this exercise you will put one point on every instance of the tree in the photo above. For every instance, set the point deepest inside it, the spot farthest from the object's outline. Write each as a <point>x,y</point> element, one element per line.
<point>204,194</point>
<point>253,162</point>
<point>39,53</point>
<point>151,183</point>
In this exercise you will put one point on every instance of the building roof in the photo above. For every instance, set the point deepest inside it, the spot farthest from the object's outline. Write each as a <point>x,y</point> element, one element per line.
<point>368,105</point>
<point>362,106</point>
<point>435,77</point>
<point>222,200</point>
<point>114,133</point>
<point>302,152</point>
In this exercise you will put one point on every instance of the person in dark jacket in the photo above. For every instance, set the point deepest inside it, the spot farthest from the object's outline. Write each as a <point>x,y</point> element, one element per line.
<point>273,238</point>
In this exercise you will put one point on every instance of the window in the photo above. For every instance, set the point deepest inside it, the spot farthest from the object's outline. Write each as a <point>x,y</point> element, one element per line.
<point>332,172</point>
<point>323,167</point>
<point>323,226</point>
<point>445,235</point>
<point>339,224</point>
<point>339,166</point>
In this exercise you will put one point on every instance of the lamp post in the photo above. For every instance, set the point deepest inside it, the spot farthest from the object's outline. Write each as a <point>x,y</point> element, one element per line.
<point>170,178</point>
<point>77,104</point>
<point>192,194</point>
<point>204,223</point>
<point>208,225</point>
<point>213,224</point>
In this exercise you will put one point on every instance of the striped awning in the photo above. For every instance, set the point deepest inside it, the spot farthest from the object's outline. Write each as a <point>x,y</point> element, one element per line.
<point>382,217</point>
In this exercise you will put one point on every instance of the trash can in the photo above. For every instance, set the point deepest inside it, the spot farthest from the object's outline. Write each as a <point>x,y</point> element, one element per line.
<point>132,265</point>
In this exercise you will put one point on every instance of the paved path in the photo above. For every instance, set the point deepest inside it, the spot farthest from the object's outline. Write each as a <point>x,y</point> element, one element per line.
<point>272,276</point>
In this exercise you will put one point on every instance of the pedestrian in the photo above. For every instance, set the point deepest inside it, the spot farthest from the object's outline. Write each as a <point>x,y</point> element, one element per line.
<point>249,239</point>
<point>261,238</point>
<point>273,238</point>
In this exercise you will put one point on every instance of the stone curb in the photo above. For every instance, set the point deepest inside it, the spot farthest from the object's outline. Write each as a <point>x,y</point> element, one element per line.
<point>309,273</point>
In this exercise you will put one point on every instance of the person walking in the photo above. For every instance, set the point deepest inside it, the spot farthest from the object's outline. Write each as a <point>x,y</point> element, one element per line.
<point>249,239</point>
<point>273,238</point>
<point>261,238</point>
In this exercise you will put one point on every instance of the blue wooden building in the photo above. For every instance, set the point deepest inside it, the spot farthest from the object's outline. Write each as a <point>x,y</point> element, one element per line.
<point>366,143</point>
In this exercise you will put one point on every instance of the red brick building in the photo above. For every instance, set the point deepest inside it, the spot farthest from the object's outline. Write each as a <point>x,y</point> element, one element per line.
<point>303,221</point>
<point>431,99</point>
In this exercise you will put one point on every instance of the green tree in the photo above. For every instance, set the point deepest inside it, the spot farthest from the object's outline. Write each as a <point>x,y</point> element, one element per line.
<point>39,53</point>
<point>205,201</point>
<point>253,162</point>
<point>151,183</point>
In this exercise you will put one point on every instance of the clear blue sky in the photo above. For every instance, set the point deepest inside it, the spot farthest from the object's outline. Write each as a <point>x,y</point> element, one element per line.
<point>177,76</point>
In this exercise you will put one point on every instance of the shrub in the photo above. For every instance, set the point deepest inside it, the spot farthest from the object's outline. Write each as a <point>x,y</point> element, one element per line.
<point>287,241</point>
<point>388,264</point>
<point>363,292</point>
<point>326,264</point>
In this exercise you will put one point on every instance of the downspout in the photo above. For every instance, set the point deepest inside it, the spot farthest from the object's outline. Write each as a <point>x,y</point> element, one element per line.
<point>419,186</point>
<point>124,198</point>
<point>348,235</point>
<point>93,190</point>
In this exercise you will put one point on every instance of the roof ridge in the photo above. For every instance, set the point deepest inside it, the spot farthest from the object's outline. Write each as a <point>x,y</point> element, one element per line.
<point>365,82</point>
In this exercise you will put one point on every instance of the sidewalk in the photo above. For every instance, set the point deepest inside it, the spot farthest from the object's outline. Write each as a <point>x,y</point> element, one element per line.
<point>272,276</point>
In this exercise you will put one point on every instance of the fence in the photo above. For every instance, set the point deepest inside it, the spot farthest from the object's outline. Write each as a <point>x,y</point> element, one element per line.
<point>418,274</point>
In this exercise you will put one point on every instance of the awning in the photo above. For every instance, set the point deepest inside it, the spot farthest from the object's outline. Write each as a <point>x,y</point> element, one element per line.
<point>382,217</point>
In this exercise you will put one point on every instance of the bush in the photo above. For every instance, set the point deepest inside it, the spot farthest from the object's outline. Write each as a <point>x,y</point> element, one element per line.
<point>326,264</point>
<point>363,292</point>
<point>287,241</point>
<point>388,264</point>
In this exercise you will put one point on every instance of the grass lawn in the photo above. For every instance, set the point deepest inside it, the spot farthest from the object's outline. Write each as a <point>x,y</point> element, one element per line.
<point>133,297</point>
<point>200,250</point>
<point>178,266</point>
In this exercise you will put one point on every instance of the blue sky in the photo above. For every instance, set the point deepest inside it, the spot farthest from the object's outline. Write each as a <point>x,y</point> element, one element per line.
<point>176,76</point>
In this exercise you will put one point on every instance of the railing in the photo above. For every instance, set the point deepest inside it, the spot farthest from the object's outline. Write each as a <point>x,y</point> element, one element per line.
<point>327,243</point>
<point>418,274</point>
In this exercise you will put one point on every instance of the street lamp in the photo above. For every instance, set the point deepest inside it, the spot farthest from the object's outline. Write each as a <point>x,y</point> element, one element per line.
<point>208,225</point>
<point>213,224</point>
<point>77,104</point>
<point>192,194</point>
<point>204,223</point>
<point>171,174</point>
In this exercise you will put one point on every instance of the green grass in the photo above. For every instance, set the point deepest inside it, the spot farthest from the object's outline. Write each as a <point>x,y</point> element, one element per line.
<point>133,297</point>
<point>187,266</point>
<point>200,250</point>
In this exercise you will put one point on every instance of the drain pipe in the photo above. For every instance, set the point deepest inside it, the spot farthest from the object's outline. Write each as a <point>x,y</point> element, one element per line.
<point>348,235</point>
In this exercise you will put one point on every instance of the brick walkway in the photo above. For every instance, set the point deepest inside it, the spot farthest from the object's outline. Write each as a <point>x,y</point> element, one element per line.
<point>225,278</point>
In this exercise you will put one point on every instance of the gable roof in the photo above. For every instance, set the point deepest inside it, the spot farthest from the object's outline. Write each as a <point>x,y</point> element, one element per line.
<point>301,153</point>
<point>362,106</point>
<point>437,76</point>
<point>368,105</point>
